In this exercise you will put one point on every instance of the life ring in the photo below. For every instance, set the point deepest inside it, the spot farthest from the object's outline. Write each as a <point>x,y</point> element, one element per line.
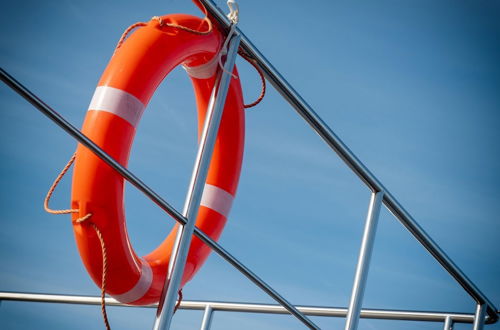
<point>123,92</point>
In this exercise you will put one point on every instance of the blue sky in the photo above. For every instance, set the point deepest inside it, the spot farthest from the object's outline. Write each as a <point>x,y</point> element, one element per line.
<point>412,87</point>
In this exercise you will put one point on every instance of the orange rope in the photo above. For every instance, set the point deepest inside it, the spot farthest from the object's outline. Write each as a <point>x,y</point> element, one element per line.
<point>163,24</point>
<point>81,220</point>
<point>185,28</point>
<point>127,31</point>
<point>104,271</point>
<point>178,304</point>
<point>262,79</point>
<point>53,187</point>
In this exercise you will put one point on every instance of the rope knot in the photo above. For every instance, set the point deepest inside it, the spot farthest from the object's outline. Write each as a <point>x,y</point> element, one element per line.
<point>84,218</point>
<point>234,11</point>
<point>159,19</point>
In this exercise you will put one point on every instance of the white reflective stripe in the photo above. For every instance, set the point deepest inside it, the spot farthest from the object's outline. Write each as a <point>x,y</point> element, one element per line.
<point>217,199</point>
<point>203,71</point>
<point>118,102</point>
<point>140,288</point>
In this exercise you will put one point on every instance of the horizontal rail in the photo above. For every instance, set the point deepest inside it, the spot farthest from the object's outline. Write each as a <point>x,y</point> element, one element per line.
<point>383,314</point>
<point>304,110</point>
<point>130,177</point>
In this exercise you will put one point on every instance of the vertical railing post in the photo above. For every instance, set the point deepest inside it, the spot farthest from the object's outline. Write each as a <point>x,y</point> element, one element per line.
<point>364,257</point>
<point>207,318</point>
<point>479,317</point>
<point>448,323</point>
<point>207,141</point>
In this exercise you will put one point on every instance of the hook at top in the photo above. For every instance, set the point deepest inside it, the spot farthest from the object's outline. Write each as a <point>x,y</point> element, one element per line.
<point>233,11</point>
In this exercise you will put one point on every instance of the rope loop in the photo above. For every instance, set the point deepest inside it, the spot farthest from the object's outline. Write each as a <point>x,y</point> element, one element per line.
<point>79,221</point>
<point>234,11</point>
<point>53,187</point>
<point>162,23</point>
<point>253,62</point>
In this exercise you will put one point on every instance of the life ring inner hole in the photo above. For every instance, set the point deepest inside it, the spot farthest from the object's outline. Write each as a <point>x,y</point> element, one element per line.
<point>162,155</point>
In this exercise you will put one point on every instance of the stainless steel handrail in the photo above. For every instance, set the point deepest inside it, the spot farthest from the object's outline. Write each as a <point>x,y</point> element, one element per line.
<point>363,261</point>
<point>385,314</point>
<point>304,110</point>
<point>484,305</point>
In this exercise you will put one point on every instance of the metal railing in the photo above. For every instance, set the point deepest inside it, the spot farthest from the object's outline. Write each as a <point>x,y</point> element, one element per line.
<point>484,305</point>
<point>485,311</point>
<point>210,307</point>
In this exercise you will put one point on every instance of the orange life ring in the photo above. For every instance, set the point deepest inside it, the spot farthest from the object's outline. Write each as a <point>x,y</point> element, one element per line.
<point>125,88</point>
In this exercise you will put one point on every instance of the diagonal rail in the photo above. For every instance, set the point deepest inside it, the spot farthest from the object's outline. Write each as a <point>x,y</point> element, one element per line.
<point>310,116</point>
<point>141,186</point>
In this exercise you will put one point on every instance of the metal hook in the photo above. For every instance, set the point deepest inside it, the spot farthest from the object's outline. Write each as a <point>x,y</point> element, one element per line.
<point>233,11</point>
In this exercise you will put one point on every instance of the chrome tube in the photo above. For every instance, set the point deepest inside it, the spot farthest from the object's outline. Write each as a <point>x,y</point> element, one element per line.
<point>310,116</point>
<point>207,318</point>
<point>180,251</point>
<point>448,324</point>
<point>479,317</point>
<point>364,259</point>
<point>80,137</point>
<point>381,314</point>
